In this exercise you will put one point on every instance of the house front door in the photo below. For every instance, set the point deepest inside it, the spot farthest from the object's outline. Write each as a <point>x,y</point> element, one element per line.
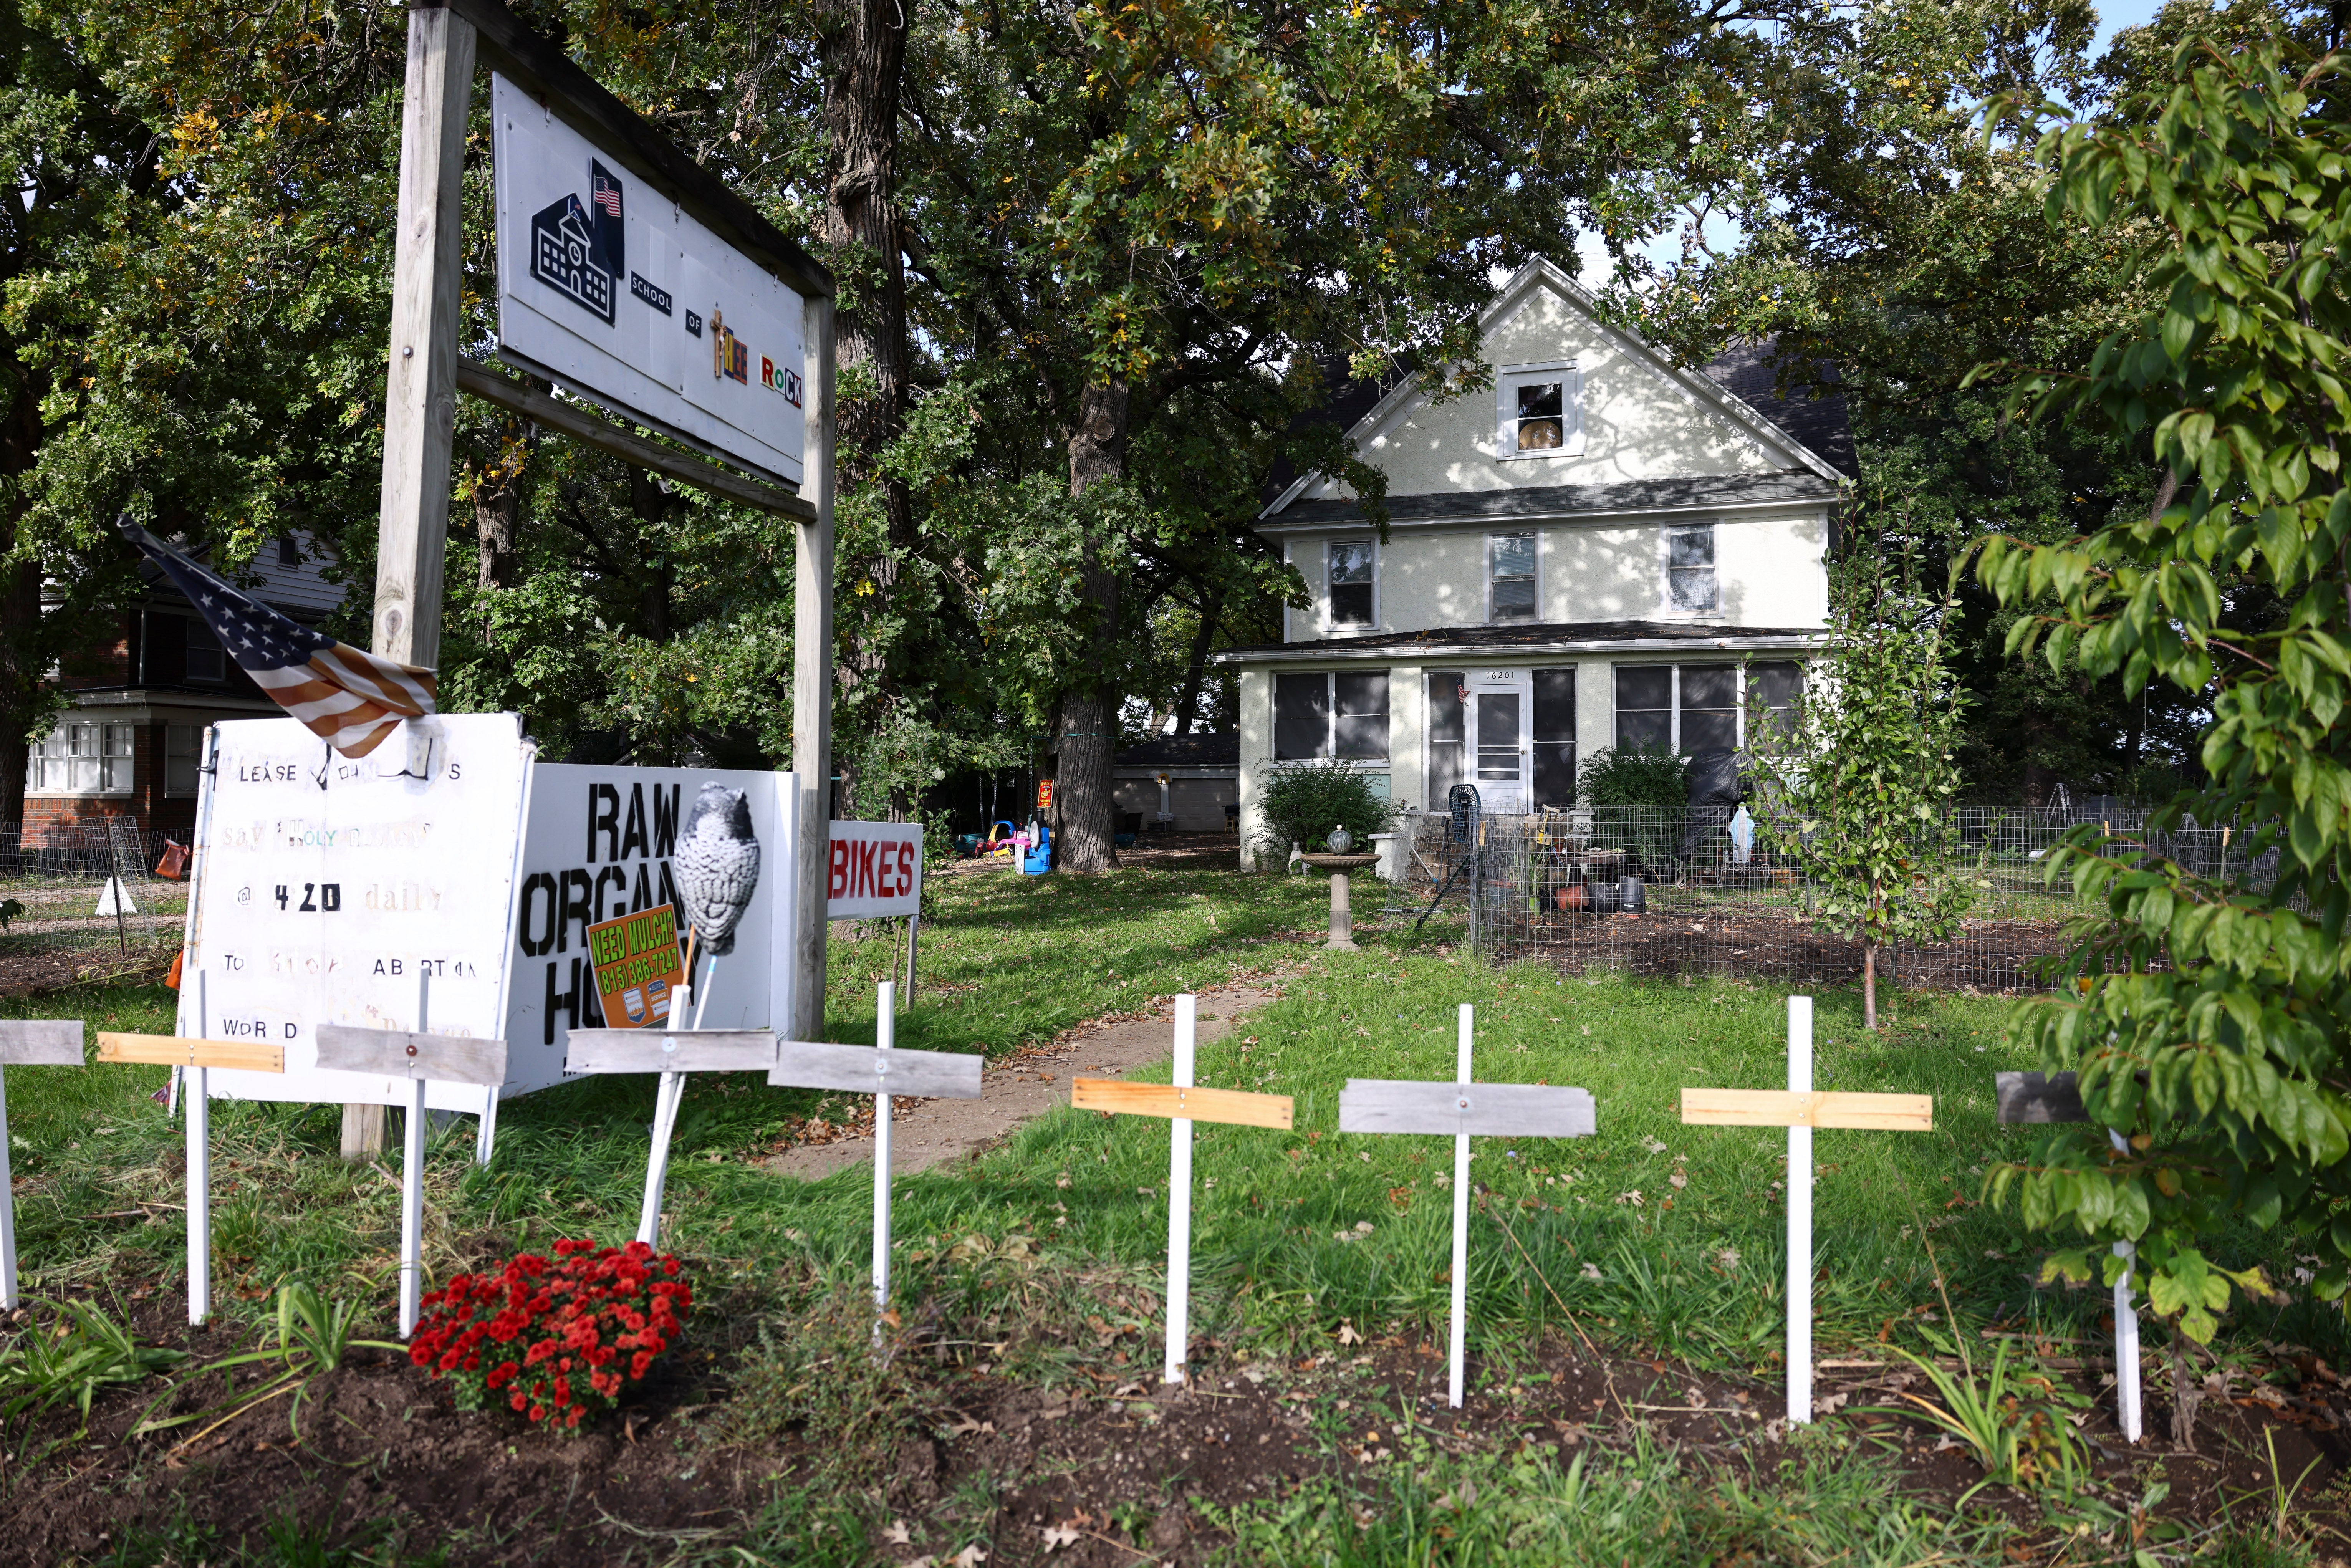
<point>1498,704</point>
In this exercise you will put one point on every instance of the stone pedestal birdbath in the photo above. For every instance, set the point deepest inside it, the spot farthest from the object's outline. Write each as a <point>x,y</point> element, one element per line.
<point>1343,914</point>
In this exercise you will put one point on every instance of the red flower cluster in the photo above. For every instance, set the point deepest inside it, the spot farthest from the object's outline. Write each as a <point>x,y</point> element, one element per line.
<point>557,1339</point>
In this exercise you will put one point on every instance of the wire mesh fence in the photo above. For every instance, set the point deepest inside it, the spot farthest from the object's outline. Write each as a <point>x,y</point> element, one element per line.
<point>1668,892</point>
<point>88,883</point>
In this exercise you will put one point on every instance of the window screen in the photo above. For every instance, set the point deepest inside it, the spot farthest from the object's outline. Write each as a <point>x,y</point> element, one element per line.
<point>1512,564</point>
<point>1351,584</point>
<point>1709,707</point>
<point>1449,732</point>
<point>1360,710</point>
<point>1302,717</point>
<point>1775,688</point>
<point>1554,737</point>
<point>1645,708</point>
<point>1689,568</point>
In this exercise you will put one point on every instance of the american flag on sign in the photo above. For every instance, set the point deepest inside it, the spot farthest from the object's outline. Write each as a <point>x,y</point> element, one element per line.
<point>606,191</point>
<point>348,699</point>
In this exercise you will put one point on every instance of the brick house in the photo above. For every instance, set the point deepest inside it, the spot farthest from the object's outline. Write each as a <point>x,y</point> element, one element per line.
<point>126,748</point>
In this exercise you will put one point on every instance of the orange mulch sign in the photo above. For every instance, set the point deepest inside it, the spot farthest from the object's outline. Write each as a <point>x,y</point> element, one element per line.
<point>638,967</point>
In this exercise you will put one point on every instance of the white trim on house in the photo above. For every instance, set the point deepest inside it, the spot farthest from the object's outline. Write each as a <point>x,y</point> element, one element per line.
<point>1431,654</point>
<point>1805,506</point>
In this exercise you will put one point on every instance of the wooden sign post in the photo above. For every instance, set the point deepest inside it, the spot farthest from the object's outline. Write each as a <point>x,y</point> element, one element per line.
<point>1800,1111</point>
<point>195,1059</point>
<point>673,1053</point>
<point>1183,1104</point>
<point>2033,1099</point>
<point>1465,1110</point>
<point>29,1042</point>
<point>417,1057</point>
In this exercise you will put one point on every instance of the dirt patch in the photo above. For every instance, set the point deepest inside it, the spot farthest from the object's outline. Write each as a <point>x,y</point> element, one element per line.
<point>1022,1087</point>
<point>31,970</point>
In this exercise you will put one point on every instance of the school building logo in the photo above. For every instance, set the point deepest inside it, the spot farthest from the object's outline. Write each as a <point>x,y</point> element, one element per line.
<point>578,249</point>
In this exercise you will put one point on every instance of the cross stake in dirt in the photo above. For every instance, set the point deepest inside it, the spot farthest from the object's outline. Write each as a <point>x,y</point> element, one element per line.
<point>1183,1104</point>
<point>2032,1098</point>
<point>1800,1111</point>
<point>1462,1108</point>
<point>32,1042</point>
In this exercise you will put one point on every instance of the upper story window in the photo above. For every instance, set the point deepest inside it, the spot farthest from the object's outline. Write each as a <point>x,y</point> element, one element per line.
<point>289,554</point>
<point>1327,715</point>
<point>1691,588</point>
<point>1538,410</point>
<point>82,757</point>
<point>207,661</point>
<point>1510,577</point>
<point>1350,571</point>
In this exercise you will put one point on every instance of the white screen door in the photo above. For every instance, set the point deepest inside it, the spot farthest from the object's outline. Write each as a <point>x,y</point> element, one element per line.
<point>1498,740</point>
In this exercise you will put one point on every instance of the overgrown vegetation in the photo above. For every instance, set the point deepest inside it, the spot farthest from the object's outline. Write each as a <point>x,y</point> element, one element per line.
<point>1654,777</point>
<point>1302,801</point>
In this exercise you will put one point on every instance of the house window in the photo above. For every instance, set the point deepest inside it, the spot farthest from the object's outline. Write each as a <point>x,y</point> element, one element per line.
<point>1510,576</point>
<point>1538,410</point>
<point>1448,735</point>
<point>1679,707</point>
<point>82,757</point>
<point>207,661</point>
<point>182,746</point>
<point>1690,586</point>
<point>289,555</point>
<point>1774,687</point>
<point>1554,737</point>
<point>1320,716</point>
<point>1351,583</point>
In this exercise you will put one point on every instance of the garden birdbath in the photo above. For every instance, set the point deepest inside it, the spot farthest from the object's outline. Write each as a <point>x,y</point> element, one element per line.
<point>1343,913</point>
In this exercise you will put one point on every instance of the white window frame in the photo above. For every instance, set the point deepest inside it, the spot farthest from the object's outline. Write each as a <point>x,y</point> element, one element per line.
<point>1674,697</point>
<point>1507,379</point>
<point>1331,628</point>
<point>1666,608</point>
<point>1535,534</point>
<point>78,758</point>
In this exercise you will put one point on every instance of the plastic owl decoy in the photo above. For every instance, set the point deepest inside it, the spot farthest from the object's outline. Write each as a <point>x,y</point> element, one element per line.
<point>717,865</point>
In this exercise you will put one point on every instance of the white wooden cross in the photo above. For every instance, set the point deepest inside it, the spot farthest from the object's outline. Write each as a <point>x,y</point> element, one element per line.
<point>1182,1104</point>
<point>28,1042</point>
<point>2032,1098</point>
<point>400,1054</point>
<point>673,1053</point>
<point>195,1058</point>
<point>1465,1110</point>
<point>1800,1111</point>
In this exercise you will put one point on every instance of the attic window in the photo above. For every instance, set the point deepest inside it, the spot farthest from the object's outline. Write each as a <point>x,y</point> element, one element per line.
<point>1536,411</point>
<point>1542,416</point>
<point>288,554</point>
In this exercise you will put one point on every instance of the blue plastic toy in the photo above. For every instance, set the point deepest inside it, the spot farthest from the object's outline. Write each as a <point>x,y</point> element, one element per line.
<point>1038,858</point>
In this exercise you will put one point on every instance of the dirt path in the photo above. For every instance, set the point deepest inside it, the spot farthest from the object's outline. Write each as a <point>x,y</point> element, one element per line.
<point>1023,1087</point>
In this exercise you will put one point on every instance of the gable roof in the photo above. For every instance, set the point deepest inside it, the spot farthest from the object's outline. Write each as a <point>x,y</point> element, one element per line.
<point>1702,389</point>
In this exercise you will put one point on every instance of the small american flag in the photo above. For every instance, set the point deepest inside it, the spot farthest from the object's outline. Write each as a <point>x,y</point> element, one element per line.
<point>607,191</point>
<point>348,699</point>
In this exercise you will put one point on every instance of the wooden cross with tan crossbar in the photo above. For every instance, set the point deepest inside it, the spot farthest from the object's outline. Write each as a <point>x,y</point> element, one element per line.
<point>1182,1103</point>
<point>1800,1110</point>
<point>25,1043</point>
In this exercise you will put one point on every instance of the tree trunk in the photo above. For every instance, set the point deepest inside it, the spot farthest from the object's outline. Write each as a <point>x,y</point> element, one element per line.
<point>497,505</point>
<point>650,503</point>
<point>24,653</point>
<point>1089,729</point>
<point>1188,704</point>
<point>1869,985</point>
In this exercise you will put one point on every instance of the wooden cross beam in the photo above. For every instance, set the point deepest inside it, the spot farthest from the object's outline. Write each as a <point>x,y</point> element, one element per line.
<point>1183,1103</point>
<point>1800,1110</point>
<point>1462,1110</point>
<point>171,1050</point>
<point>25,1043</point>
<point>2033,1099</point>
<point>402,1053</point>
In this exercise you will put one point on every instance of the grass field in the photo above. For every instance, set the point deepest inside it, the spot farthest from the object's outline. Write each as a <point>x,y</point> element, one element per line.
<point>1650,1237</point>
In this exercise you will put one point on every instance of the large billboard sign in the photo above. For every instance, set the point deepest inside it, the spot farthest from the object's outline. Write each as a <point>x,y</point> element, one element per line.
<point>620,295</point>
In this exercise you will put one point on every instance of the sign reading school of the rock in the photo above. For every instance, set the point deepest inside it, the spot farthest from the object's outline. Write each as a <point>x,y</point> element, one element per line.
<point>623,297</point>
<point>328,889</point>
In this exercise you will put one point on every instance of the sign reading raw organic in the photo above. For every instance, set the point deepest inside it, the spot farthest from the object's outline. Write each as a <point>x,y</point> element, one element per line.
<point>637,967</point>
<point>876,870</point>
<point>619,294</point>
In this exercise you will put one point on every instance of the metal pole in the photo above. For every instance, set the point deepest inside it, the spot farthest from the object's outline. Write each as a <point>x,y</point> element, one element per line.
<point>913,929</point>
<point>1179,1203</point>
<point>812,676</point>
<point>885,1007</point>
<point>1800,1218</point>
<point>1460,1211</point>
<point>411,1211</point>
<point>2126,1370</point>
<point>200,1197</point>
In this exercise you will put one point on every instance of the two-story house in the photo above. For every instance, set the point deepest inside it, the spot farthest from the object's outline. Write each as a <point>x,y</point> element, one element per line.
<point>140,698</point>
<point>1610,549</point>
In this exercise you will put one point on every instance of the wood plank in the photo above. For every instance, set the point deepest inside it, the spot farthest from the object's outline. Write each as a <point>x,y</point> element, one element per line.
<point>1230,1106</point>
<point>2032,1098</point>
<point>446,1059</point>
<point>40,1042</point>
<point>1822,1108</point>
<point>172,1050</point>
<point>580,423</point>
<point>677,1051</point>
<point>575,96</point>
<point>864,1070</point>
<point>1482,1110</point>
